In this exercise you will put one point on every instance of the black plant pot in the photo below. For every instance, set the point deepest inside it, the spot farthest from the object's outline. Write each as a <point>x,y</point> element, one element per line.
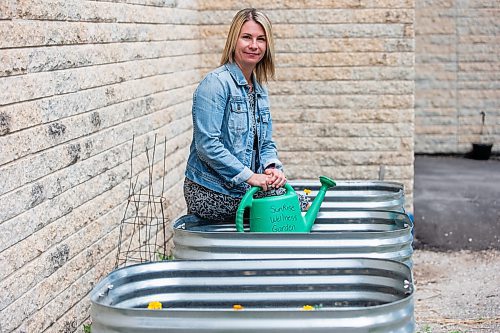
<point>480,151</point>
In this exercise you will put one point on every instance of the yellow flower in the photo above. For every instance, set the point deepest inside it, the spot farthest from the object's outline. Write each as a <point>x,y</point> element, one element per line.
<point>155,306</point>
<point>307,308</point>
<point>237,307</point>
<point>307,191</point>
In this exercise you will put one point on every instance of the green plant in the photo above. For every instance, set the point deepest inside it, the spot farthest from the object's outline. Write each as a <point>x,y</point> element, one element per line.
<point>163,257</point>
<point>426,329</point>
<point>87,328</point>
<point>318,306</point>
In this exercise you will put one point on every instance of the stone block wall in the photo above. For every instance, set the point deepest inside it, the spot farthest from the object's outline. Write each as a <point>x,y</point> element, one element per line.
<point>80,79</point>
<point>342,102</point>
<point>457,75</point>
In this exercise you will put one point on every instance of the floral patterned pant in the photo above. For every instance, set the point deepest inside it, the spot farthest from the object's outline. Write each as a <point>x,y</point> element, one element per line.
<point>218,207</point>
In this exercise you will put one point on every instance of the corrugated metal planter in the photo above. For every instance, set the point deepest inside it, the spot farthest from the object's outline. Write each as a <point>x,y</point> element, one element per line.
<point>358,195</point>
<point>316,295</point>
<point>335,234</point>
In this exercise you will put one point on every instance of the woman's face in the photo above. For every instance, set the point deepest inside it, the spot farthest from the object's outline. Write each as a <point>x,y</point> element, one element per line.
<point>251,45</point>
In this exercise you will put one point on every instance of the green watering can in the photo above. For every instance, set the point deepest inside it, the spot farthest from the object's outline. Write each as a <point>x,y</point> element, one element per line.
<point>280,213</point>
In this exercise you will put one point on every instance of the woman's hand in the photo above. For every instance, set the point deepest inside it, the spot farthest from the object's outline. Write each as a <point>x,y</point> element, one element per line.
<point>259,179</point>
<point>271,178</point>
<point>276,178</point>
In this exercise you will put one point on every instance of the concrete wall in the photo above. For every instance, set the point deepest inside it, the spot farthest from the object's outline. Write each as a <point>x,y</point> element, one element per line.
<point>457,75</point>
<point>79,78</point>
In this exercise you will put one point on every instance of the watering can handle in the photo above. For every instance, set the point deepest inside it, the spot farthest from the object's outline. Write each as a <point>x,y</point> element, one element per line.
<point>246,202</point>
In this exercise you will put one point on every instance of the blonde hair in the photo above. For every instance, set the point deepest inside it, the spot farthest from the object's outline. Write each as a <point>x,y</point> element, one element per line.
<point>265,68</point>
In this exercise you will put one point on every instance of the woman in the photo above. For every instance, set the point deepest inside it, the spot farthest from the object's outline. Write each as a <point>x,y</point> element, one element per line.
<point>232,147</point>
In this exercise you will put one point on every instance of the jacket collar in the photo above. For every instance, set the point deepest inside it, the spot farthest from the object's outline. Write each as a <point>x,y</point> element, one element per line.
<point>239,78</point>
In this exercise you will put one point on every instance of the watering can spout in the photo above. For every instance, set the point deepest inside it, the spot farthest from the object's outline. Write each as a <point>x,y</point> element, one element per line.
<point>312,212</point>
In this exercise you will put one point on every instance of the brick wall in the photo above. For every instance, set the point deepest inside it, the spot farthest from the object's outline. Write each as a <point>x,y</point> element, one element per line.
<point>79,78</point>
<point>457,75</point>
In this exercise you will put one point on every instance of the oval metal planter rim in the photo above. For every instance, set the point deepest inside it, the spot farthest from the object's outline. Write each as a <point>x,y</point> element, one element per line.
<point>408,221</point>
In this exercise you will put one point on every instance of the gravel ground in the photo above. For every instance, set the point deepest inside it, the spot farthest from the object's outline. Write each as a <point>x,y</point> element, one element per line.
<point>457,292</point>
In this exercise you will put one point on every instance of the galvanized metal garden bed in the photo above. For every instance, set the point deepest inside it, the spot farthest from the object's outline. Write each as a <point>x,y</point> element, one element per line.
<point>335,234</point>
<point>273,295</point>
<point>357,195</point>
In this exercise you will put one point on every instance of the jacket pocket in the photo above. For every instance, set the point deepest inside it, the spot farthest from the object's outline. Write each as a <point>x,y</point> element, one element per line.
<point>266,116</point>
<point>238,117</point>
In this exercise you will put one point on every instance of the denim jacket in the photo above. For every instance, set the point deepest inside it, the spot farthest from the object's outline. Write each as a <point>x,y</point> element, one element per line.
<point>221,151</point>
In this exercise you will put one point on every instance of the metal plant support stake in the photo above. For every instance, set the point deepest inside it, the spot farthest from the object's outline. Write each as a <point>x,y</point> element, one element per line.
<point>143,219</point>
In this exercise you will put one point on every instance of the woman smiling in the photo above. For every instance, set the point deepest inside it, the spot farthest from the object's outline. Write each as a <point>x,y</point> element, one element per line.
<point>232,147</point>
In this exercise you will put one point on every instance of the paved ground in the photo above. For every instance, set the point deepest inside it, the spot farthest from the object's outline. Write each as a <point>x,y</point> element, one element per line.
<point>457,229</point>
<point>457,203</point>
